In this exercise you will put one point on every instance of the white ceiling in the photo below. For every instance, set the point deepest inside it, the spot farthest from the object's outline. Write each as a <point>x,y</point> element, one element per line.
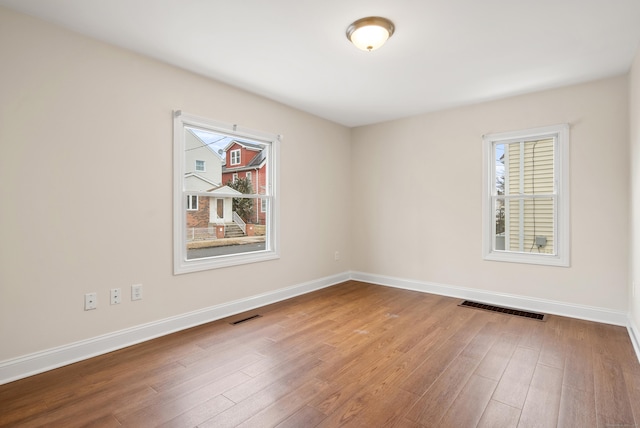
<point>444,53</point>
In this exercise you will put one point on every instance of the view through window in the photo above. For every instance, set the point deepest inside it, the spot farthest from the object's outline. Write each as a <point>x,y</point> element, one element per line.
<point>226,213</point>
<point>528,196</point>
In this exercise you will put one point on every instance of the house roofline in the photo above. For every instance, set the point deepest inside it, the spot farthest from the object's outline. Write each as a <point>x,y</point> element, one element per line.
<point>242,168</point>
<point>193,174</point>
<point>208,146</point>
<point>248,146</point>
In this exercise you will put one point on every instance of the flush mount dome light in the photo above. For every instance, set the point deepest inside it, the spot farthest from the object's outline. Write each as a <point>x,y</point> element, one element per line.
<point>370,33</point>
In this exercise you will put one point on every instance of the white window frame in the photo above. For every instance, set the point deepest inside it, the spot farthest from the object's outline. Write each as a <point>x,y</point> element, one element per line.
<point>247,176</point>
<point>204,166</point>
<point>235,155</point>
<point>272,243</point>
<point>234,177</point>
<point>561,196</point>
<point>190,205</point>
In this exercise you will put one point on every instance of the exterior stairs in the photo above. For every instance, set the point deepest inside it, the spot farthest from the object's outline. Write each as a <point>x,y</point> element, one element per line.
<point>232,230</point>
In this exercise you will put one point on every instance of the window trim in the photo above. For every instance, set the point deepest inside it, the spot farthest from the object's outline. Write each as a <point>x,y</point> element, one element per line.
<point>562,211</point>
<point>272,251</point>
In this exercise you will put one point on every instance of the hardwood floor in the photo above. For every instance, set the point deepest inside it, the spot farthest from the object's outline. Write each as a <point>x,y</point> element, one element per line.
<point>356,355</point>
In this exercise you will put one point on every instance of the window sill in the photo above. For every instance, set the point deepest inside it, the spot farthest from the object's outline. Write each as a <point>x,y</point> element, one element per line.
<point>534,259</point>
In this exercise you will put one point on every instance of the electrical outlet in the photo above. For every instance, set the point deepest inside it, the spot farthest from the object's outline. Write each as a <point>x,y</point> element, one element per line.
<point>136,292</point>
<point>336,255</point>
<point>90,301</point>
<point>116,296</point>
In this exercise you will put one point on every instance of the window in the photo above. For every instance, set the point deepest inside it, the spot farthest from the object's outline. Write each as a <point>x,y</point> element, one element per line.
<point>526,196</point>
<point>221,226</point>
<point>192,203</point>
<point>234,177</point>
<point>248,176</point>
<point>235,157</point>
<point>263,205</point>
<point>200,166</point>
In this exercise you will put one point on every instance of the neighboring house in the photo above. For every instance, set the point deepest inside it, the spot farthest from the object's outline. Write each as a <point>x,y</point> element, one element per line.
<point>214,209</point>
<point>201,162</point>
<point>247,160</point>
<point>203,173</point>
<point>529,223</point>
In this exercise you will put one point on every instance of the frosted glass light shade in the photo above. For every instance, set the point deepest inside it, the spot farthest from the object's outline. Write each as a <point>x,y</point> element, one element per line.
<point>370,33</point>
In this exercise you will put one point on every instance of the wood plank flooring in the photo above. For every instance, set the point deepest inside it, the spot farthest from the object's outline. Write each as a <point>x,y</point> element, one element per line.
<point>356,355</point>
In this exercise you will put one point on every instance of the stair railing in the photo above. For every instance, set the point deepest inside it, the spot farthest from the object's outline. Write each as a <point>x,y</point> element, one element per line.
<point>237,220</point>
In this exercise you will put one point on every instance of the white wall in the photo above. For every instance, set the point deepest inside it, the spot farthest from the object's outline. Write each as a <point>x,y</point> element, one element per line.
<point>86,182</point>
<point>417,196</point>
<point>634,122</point>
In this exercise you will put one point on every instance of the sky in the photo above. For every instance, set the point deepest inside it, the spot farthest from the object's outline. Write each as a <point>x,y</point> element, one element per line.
<point>215,142</point>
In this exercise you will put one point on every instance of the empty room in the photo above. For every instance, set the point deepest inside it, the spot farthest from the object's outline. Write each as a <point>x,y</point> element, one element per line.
<point>320,214</point>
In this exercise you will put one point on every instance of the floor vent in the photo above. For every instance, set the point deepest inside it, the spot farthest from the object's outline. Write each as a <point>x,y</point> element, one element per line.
<point>244,320</point>
<point>516,312</point>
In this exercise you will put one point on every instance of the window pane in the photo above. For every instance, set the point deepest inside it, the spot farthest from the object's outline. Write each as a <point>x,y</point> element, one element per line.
<point>192,202</point>
<point>524,225</point>
<point>525,167</point>
<point>528,225</point>
<point>220,223</point>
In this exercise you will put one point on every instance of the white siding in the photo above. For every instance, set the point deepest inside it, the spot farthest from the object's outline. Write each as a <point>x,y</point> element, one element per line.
<point>531,174</point>
<point>197,150</point>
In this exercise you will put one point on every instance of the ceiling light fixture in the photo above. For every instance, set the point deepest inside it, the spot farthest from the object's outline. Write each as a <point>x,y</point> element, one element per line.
<point>370,33</point>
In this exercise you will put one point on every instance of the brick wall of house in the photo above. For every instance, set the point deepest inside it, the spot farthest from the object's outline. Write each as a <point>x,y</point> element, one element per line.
<point>199,218</point>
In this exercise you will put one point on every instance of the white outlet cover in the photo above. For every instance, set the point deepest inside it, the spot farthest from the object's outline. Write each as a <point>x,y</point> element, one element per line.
<point>116,296</point>
<point>90,301</point>
<point>136,292</point>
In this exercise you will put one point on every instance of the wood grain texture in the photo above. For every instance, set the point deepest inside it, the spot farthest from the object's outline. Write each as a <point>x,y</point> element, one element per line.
<point>499,415</point>
<point>543,399</point>
<point>356,355</point>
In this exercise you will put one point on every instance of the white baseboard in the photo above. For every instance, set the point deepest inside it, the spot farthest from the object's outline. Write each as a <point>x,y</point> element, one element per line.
<point>21,367</point>
<point>634,335</point>
<point>602,315</point>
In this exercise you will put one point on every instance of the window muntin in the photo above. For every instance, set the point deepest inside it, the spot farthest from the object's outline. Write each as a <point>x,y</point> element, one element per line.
<point>224,213</point>
<point>526,214</point>
<point>235,157</point>
<point>200,166</point>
